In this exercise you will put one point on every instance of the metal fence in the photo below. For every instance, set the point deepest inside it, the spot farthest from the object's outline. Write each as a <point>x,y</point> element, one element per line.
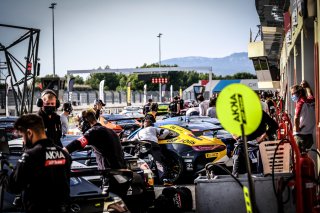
<point>110,97</point>
<point>87,97</point>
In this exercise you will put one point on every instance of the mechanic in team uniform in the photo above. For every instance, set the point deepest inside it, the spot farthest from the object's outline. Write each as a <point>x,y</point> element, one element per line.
<point>181,102</point>
<point>152,134</point>
<point>153,112</point>
<point>105,142</point>
<point>43,171</point>
<point>174,107</point>
<point>147,107</point>
<point>106,145</point>
<point>304,116</point>
<point>48,104</point>
<point>97,106</point>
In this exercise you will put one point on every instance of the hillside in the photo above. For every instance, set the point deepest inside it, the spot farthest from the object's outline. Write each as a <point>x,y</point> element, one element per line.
<point>229,65</point>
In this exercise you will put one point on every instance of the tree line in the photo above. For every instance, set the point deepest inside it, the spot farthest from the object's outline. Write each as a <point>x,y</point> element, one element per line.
<point>118,82</point>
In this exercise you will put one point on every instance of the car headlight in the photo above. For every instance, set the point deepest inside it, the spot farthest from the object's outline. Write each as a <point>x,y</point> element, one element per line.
<point>116,205</point>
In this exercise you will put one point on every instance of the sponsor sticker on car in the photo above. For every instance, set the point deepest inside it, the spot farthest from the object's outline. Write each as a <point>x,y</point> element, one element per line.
<point>212,155</point>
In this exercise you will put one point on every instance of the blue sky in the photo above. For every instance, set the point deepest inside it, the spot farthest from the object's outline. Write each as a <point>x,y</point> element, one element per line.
<point>123,33</point>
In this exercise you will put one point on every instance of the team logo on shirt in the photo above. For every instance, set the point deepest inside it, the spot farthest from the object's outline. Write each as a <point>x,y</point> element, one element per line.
<point>83,141</point>
<point>54,157</point>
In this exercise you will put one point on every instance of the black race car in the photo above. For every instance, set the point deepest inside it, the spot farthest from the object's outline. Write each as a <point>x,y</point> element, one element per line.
<point>142,187</point>
<point>6,128</point>
<point>84,195</point>
<point>123,125</point>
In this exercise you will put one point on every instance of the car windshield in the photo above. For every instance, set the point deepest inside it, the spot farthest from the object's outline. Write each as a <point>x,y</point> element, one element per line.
<point>119,119</point>
<point>129,121</point>
<point>132,109</point>
<point>134,114</point>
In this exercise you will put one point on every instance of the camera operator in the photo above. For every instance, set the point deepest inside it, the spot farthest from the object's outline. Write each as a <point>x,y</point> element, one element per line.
<point>48,104</point>
<point>42,172</point>
<point>106,145</point>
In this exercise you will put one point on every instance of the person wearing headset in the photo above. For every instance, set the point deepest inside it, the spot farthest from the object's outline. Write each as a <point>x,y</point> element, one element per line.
<point>48,104</point>
<point>67,109</point>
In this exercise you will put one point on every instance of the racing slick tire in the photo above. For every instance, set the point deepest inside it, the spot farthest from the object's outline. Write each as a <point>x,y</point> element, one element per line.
<point>174,166</point>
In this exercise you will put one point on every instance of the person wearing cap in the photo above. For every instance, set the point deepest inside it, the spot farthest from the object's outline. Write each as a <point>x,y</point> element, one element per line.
<point>106,146</point>
<point>42,172</point>
<point>152,134</point>
<point>67,109</point>
<point>304,117</point>
<point>97,106</point>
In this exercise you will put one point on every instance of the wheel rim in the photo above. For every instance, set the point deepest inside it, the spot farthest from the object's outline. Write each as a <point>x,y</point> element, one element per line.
<point>174,167</point>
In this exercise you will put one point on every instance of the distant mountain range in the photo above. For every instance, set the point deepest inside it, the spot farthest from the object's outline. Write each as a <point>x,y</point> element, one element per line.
<point>229,65</point>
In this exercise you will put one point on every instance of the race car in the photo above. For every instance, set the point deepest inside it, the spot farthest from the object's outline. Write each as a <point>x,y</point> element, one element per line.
<point>84,195</point>
<point>192,119</point>
<point>86,160</point>
<point>131,109</point>
<point>190,146</point>
<point>163,108</point>
<point>120,123</point>
<point>136,115</point>
<point>6,128</point>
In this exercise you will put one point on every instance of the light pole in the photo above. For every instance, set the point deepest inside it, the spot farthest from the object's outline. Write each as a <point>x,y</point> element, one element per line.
<point>160,89</point>
<point>54,62</point>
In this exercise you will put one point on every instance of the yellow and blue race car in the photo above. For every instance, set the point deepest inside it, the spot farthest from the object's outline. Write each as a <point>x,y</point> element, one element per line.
<point>190,146</point>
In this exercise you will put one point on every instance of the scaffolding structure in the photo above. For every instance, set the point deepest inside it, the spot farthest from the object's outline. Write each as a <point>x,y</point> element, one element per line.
<point>22,73</point>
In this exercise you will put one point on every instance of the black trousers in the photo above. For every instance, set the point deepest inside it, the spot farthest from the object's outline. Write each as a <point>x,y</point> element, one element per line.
<point>159,160</point>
